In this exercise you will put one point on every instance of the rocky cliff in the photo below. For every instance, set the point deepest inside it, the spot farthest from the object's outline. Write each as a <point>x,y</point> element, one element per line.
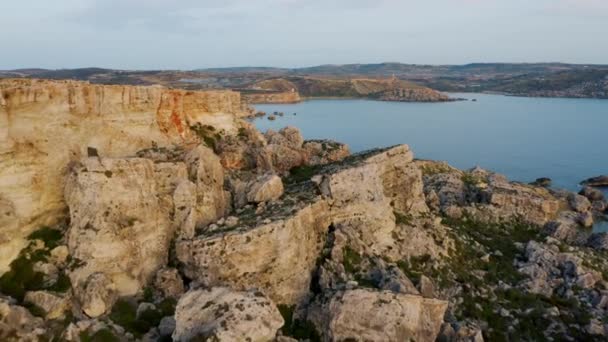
<point>200,227</point>
<point>45,126</point>
<point>291,89</point>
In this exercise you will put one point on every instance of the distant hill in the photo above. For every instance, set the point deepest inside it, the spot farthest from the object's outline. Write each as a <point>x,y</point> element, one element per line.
<point>522,79</point>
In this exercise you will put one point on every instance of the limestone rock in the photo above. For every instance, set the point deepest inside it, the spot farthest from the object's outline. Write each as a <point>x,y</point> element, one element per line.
<point>120,220</point>
<point>566,227</point>
<point>96,295</point>
<point>579,203</point>
<point>325,151</point>
<point>18,324</point>
<point>46,125</point>
<point>278,256</point>
<point>169,282</point>
<point>225,315</point>
<point>54,306</point>
<point>369,315</point>
<point>265,188</point>
<point>206,172</point>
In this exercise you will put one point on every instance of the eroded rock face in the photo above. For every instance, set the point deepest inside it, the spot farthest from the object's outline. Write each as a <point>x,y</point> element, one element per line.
<point>368,315</point>
<point>120,223</point>
<point>278,256</point>
<point>206,172</point>
<point>46,125</point>
<point>225,315</point>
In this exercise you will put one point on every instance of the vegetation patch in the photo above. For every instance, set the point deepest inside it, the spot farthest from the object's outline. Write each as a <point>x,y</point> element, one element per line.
<point>301,174</point>
<point>124,313</point>
<point>297,328</point>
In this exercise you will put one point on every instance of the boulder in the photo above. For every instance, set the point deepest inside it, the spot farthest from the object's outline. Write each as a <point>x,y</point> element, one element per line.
<point>543,181</point>
<point>221,314</point>
<point>265,188</point>
<point>322,152</point>
<point>566,227</point>
<point>169,282</point>
<point>599,181</point>
<point>368,315</point>
<point>97,295</point>
<point>598,241</point>
<point>52,305</point>
<point>592,194</point>
<point>579,203</point>
<point>585,219</point>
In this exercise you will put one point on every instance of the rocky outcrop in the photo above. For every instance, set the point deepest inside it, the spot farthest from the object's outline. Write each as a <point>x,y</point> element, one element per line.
<point>325,151</point>
<point>277,256</point>
<point>219,314</point>
<point>259,97</point>
<point>46,125</point>
<point>276,248</point>
<point>367,315</point>
<point>289,89</point>
<point>487,195</point>
<point>120,219</point>
<point>598,181</point>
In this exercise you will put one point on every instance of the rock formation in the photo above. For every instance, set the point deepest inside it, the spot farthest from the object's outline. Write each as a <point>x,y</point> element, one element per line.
<point>46,125</point>
<point>220,232</point>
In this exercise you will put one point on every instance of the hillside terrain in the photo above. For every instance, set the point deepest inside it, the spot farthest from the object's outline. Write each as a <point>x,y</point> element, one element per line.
<point>532,79</point>
<point>142,213</point>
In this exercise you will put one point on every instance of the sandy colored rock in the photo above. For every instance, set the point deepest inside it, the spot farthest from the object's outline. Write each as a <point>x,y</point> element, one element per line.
<point>53,305</point>
<point>325,151</point>
<point>169,282</point>
<point>46,125</point>
<point>96,295</point>
<point>225,315</point>
<point>120,220</point>
<point>265,188</point>
<point>277,257</point>
<point>206,172</point>
<point>368,315</point>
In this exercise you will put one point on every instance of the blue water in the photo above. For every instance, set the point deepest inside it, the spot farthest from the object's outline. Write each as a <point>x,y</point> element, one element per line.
<point>523,138</point>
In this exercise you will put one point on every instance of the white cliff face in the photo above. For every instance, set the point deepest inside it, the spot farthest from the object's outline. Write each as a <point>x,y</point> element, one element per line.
<point>46,125</point>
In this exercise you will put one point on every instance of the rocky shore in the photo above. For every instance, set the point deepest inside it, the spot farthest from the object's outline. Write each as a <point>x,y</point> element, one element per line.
<point>120,226</point>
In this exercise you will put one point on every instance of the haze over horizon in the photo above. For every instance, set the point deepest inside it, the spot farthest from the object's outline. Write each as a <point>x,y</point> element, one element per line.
<point>189,34</point>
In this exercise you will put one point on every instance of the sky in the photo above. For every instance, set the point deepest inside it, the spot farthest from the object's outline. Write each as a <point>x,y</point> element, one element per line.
<point>190,34</point>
